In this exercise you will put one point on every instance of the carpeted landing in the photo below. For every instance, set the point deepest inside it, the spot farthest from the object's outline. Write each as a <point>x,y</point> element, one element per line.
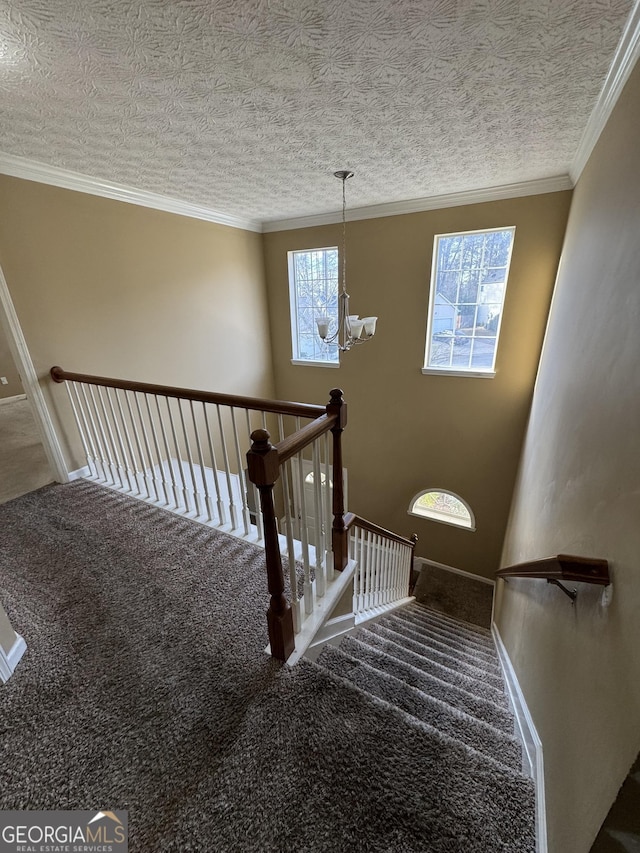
<point>145,687</point>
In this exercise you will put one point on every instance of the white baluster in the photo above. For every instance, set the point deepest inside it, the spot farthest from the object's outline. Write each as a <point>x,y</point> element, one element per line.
<point>82,427</point>
<point>291,551</point>
<point>146,463</point>
<point>242,483</point>
<point>317,512</point>
<point>222,516</point>
<point>225,455</point>
<point>105,431</point>
<point>125,446</point>
<point>165,442</point>
<point>397,569</point>
<point>98,449</point>
<point>377,569</point>
<point>203,471</point>
<point>304,539</point>
<point>370,575</point>
<point>180,478</point>
<point>195,493</point>
<point>157,472</point>
<point>328,509</point>
<point>110,423</point>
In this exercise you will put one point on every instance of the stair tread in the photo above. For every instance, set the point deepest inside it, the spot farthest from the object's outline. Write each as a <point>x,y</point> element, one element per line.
<point>425,707</point>
<point>475,632</point>
<point>488,706</point>
<point>479,761</point>
<point>437,656</point>
<point>439,643</point>
<point>448,633</point>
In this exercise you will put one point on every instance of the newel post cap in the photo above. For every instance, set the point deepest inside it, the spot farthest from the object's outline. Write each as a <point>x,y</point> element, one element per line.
<point>262,460</point>
<point>337,406</point>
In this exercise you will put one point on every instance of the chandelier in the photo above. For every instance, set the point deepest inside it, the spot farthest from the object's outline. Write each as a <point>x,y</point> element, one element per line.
<point>351,329</point>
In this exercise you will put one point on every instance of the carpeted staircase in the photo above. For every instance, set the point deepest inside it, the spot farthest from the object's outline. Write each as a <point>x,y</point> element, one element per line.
<point>444,676</point>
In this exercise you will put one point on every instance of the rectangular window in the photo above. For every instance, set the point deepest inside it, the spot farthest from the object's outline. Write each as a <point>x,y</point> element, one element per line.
<point>313,292</point>
<point>468,285</point>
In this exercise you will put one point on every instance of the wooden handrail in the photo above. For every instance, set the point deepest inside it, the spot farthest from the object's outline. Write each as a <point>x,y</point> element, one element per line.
<point>297,441</point>
<point>279,407</point>
<point>564,567</point>
<point>353,520</point>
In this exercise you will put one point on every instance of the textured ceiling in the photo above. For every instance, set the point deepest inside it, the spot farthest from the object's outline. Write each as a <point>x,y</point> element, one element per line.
<point>248,106</point>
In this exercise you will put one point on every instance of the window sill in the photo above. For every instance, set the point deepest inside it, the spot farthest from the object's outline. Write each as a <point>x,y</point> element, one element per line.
<point>445,371</point>
<point>442,520</point>
<point>302,363</point>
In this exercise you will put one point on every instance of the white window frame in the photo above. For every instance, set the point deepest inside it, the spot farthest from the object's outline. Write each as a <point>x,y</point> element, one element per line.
<point>443,517</point>
<point>482,373</point>
<point>293,306</point>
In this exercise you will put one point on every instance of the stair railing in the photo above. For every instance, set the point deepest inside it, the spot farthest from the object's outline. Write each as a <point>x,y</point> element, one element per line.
<point>384,566</point>
<point>181,449</point>
<point>177,448</point>
<point>285,462</point>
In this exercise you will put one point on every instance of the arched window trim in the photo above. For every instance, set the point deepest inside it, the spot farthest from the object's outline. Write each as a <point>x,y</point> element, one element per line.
<point>443,518</point>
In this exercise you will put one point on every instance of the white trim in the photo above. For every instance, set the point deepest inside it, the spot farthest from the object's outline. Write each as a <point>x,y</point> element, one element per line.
<point>10,660</point>
<point>79,473</point>
<point>417,205</point>
<point>322,609</point>
<point>31,170</point>
<point>332,633</point>
<point>529,736</point>
<point>445,371</point>
<point>16,399</point>
<point>626,56</point>
<point>425,562</point>
<point>334,630</point>
<point>19,351</point>
<point>299,362</point>
<point>372,614</point>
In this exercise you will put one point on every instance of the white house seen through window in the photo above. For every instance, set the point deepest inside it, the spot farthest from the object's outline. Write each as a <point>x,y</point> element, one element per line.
<point>313,292</point>
<point>468,285</point>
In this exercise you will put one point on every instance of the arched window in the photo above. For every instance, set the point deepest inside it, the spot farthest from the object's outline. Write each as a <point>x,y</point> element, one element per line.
<point>441,505</point>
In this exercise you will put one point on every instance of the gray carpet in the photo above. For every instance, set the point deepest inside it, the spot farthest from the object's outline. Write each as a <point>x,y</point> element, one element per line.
<point>145,687</point>
<point>454,594</point>
<point>23,462</point>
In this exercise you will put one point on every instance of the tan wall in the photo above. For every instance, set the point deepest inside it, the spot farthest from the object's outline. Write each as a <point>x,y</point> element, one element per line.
<point>110,288</point>
<point>8,369</point>
<point>408,431</point>
<point>578,492</point>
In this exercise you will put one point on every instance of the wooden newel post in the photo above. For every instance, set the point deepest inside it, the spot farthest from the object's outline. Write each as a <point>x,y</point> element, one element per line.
<point>414,539</point>
<point>264,469</point>
<point>339,532</point>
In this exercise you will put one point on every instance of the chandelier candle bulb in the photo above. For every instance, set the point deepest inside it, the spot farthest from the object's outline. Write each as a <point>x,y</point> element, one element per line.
<point>356,327</point>
<point>323,326</point>
<point>369,326</point>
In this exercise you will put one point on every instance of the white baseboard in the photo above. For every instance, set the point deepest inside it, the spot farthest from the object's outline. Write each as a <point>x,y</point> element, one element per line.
<point>79,473</point>
<point>10,660</point>
<point>425,562</point>
<point>15,399</point>
<point>529,736</point>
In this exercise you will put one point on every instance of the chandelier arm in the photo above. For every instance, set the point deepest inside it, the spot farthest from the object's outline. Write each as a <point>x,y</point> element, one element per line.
<point>343,338</point>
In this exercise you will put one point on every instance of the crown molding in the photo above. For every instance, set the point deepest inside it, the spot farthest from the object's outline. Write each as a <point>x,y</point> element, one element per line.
<point>31,170</point>
<point>417,205</point>
<point>626,56</point>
